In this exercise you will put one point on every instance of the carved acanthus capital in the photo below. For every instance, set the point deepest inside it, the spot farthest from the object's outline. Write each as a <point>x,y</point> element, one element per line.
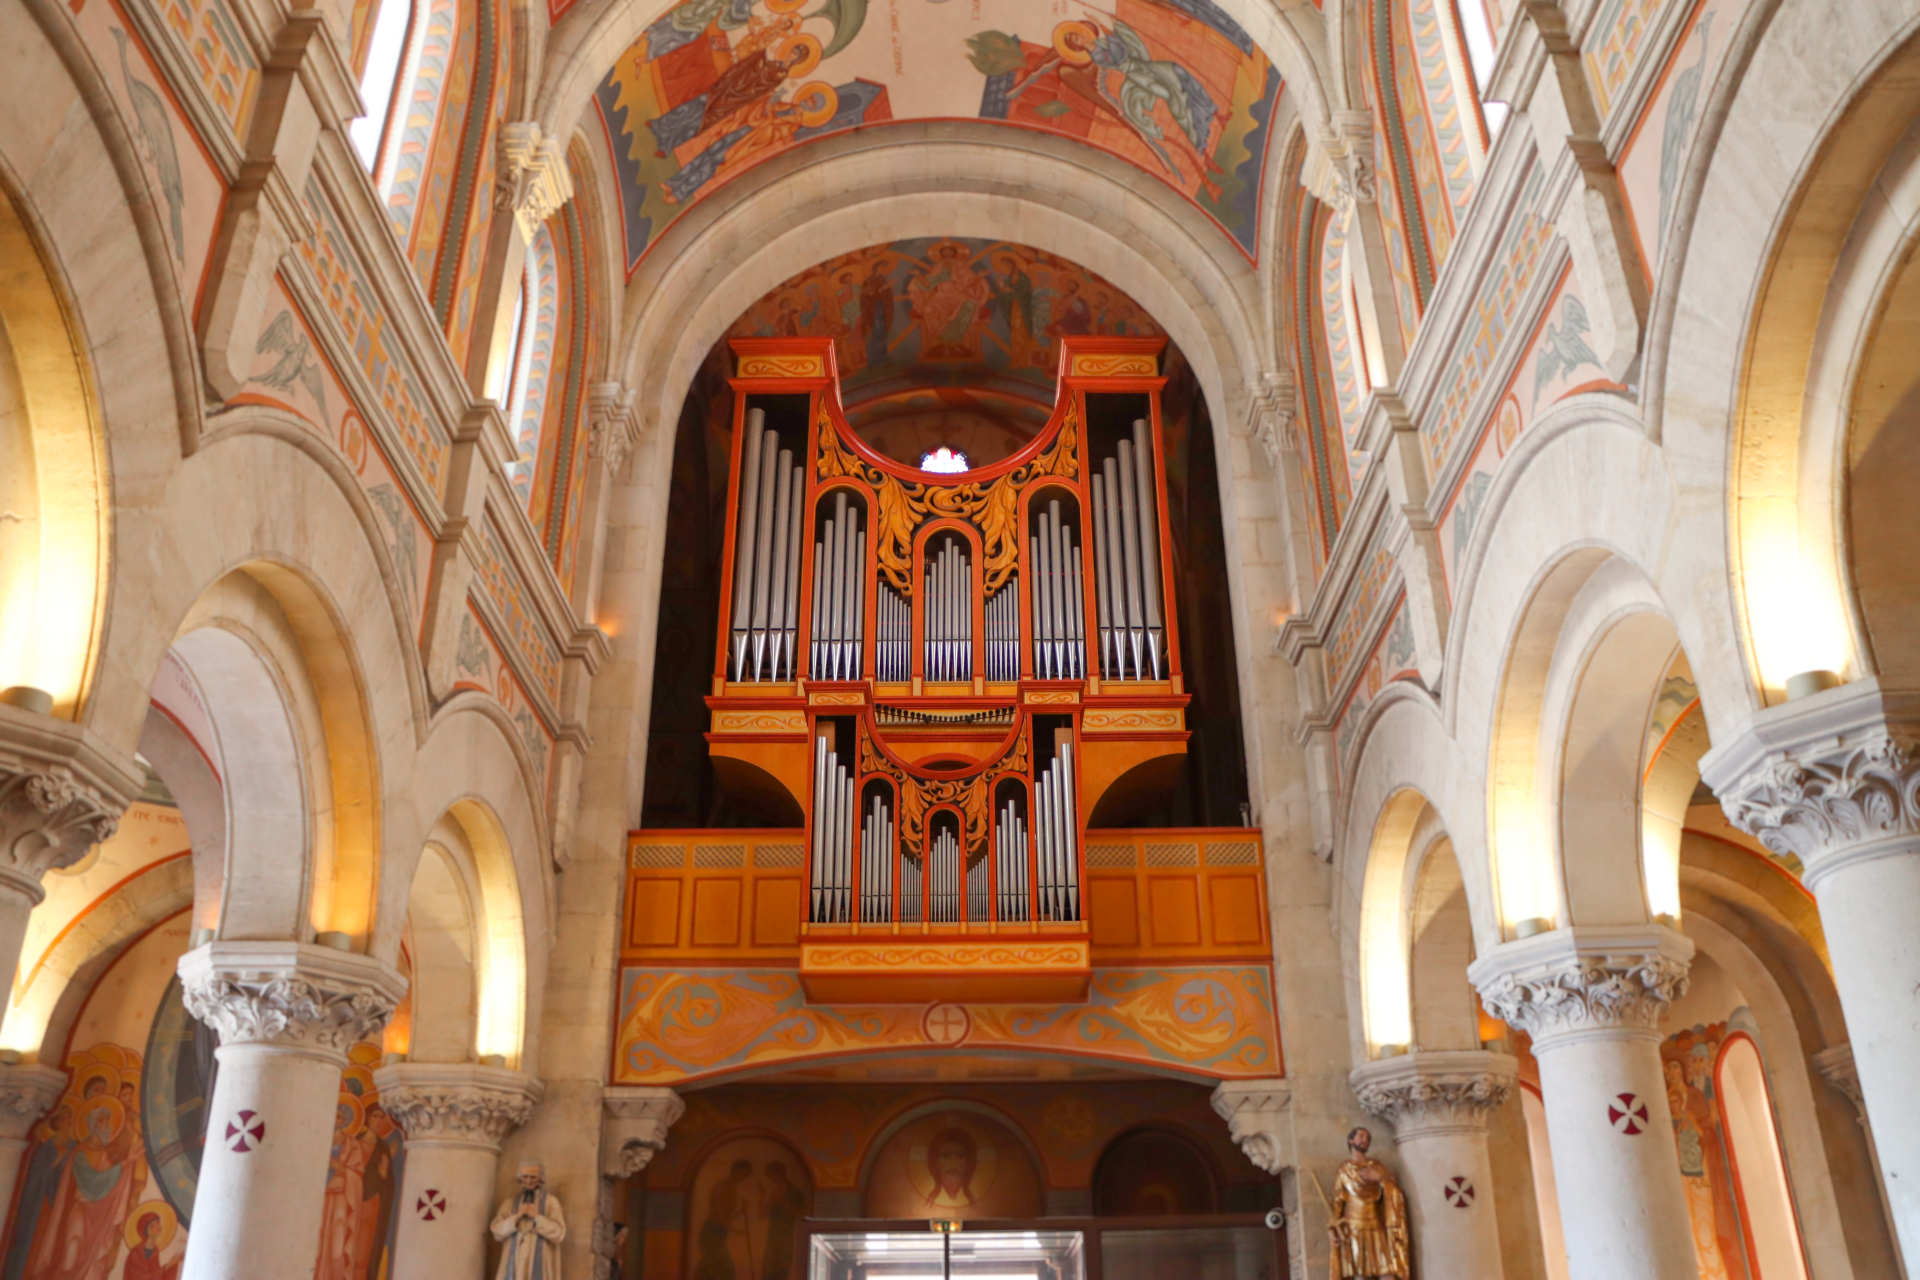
<point>635,1127</point>
<point>1339,162</point>
<point>1431,1094</point>
<point>1258,1119</point>
<point>613,428</point>
<point>1270,416</point>
<point>1835,1065</point>
<point>534,171</point>
<point>1830,779</point>
<point>439,1104</point>
<point>26,1091</point>
<point>1588,979</point>
<point>289,995</point>
<point>61,793</point>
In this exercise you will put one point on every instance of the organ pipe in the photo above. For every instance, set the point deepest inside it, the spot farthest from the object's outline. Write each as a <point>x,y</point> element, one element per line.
<point>831,881</point>
<point>766,570</point>
<point>949,613</point>
<point>876,863</point>
<point>839,597</point>
<point>1057,838</point>
<point>1059,609</point>
<point>1010,854</point>
<point>1126,562</point>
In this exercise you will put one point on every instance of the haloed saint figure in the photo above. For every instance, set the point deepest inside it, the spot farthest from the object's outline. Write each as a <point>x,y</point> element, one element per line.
<point>953,1157</point>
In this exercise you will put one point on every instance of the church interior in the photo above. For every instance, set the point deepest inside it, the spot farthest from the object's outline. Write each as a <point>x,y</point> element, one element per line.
<point>1025,639</point>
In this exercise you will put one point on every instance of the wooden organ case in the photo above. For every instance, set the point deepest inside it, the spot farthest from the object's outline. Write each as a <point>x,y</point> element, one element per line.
<point>953,676</point>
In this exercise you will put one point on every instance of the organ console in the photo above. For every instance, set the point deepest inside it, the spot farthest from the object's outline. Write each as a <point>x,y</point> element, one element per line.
<point>990,665</point>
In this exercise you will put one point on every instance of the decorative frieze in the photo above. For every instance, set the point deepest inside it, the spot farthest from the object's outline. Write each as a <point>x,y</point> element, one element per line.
<point>289,995</point>
<point>1830,779</point>
<point>1594,978</point>
<point>635,1127</point>
<point>1258,1119</point>
<point>456,1104</point>
<point>1429,1094</point>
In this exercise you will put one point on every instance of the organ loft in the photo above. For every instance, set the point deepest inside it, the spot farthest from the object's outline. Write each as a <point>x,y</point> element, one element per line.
<point>963,685</point>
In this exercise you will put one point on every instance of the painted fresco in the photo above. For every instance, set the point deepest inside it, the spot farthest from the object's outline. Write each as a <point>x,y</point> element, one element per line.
<point>1560,363</point>
<point>680,1025</point>
<point>715,86</point>
<point>1654,160</point>
<point>108,1180</point>
<point>744,1212</point>
<point>1688,1059</point>
<point>187,187</point>
<point>943,324</point>
<point>954,1164</point>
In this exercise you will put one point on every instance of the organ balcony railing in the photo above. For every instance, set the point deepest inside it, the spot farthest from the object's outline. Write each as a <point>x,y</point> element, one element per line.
<point>947,678</point>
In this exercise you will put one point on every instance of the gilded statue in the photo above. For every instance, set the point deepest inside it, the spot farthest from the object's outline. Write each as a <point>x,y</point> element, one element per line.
<point>1367,1218</point>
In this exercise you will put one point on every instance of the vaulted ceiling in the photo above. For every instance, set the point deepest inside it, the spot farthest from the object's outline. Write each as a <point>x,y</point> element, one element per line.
<point>713,87</point>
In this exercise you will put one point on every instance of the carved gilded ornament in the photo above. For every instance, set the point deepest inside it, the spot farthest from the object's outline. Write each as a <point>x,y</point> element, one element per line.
<point>942,957</point>
<point>783,366</point>
<point>993,508</point>
<point>1154,718</point>
<point>1094,364</point>
<point>972,795</point>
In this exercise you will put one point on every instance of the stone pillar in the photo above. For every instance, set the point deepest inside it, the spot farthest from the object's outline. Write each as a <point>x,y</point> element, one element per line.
<point>61,793</point>
<point>26,1091</point>
<point>286,1014</point>
<point>1439,1105</point>
<point>454,1116</point>
<point>1830,779</point>
<point>1592,997</point>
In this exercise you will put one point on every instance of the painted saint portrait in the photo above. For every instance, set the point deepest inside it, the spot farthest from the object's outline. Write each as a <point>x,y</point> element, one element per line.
<point>747,1203</point>
<point>954,1164</point>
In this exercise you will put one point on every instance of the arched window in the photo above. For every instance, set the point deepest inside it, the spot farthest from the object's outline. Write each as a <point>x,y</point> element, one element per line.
<point>1772,1232</point>
<point>386,86</point>
<point>1476,30</point>
<point>529,364</point>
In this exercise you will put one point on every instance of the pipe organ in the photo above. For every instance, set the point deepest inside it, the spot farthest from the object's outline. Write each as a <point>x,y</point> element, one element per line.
<point>991,667</point>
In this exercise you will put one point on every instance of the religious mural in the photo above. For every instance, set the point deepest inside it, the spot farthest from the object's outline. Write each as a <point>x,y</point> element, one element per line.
<point>107,1184</point>
<point>935,325</point>
<point>746,1207</point>
<point>715,86</point>
<point>954,1164</point>
<point>1688,1059</point>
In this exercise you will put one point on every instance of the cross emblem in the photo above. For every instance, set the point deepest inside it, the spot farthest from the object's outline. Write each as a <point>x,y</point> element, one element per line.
<point>1628,1115</point>
<point>947,1024</point>
<point>430,1205</point>
<point>246,1131</point>
<point>1459,1193</point>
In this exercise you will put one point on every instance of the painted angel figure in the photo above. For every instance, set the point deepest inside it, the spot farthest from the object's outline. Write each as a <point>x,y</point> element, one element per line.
<point>531,1224</point>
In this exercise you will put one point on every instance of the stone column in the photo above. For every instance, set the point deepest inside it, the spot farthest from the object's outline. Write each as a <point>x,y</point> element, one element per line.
<point>61,793</point>
<point>26,1091</point>
<point>286,1014</point>
<point>1592,997</point>
<point>1831,779</point>
<point>1439,1105</point>
<point>454,1116</point>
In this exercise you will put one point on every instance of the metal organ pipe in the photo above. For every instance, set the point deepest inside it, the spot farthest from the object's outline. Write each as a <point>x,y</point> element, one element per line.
<point>876,863</point>
<point>1010,853</point>
<point>1101,557</point>
<point>790,618</point>
<point>1115,585</point>
<point>1148,504</point>
<point>743,540</point>
<point>777,566</point>
<point>763,548</point>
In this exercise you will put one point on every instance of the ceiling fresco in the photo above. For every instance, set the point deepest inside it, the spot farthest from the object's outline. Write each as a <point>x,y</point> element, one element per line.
<point>944,340</point>
<point>715,86</point>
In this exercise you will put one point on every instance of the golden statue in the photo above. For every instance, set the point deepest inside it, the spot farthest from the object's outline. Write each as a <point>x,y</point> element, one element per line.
<point>1368,1219</point>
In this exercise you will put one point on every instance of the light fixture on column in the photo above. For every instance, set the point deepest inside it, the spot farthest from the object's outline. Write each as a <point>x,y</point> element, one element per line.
<point>333,938</point>
<point>1811,682</point>
<point>1531,926</point>
<point>28,698</point>
<point>1389,1051</point>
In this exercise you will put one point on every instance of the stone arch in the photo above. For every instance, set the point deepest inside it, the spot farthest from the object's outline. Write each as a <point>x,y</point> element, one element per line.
<point>1800,266</point>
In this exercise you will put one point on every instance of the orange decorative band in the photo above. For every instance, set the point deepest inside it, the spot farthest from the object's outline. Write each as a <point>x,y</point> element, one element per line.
<point>759,721</point>
<point>783,366</point>
<point>1096,365</point>
<point>945,956</point>
<point>1131,719</point>
<point>1049,697</point>
<point>847,698</point>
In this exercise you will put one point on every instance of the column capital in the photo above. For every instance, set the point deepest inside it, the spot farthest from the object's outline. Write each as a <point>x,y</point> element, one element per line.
<point>26,1091</point>
<point>1831,779</point>
<point>534,179</point>
<point>456,1104</point>
<point>1429,1094</point>
<point>1258,1119</point>
<point>635,1127</point>
<point>1586,979</point>
<point>61,792</point>
<point>291,995</point>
